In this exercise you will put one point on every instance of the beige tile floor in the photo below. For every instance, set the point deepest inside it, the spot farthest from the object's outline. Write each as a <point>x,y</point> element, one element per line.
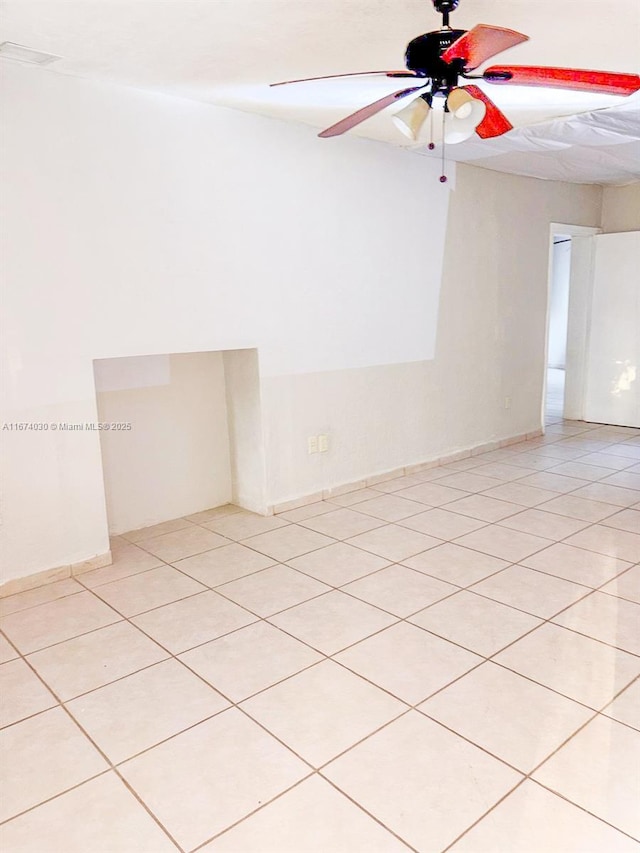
<point>446,661</point>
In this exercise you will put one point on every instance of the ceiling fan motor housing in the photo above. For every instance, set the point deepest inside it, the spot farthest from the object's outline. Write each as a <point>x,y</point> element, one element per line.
<point>423,57</point>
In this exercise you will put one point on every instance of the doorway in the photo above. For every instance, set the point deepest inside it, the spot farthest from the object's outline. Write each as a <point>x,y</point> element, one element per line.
<point>569,297</point>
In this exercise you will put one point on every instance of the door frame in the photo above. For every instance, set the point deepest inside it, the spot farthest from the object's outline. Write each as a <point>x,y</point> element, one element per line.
<point>579,319</point>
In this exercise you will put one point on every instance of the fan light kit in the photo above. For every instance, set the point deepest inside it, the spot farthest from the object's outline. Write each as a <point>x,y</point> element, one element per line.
<point>437,60</point>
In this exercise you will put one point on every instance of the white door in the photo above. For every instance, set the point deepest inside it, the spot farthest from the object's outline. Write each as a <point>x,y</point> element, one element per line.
<point>612,393</point>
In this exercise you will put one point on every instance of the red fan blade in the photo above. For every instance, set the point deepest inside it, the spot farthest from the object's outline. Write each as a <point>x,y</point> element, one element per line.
<point>480,44</point>
<point>564,78</point>
<point>353,74</point>
<point>366,112</point>
<point>495,122</point>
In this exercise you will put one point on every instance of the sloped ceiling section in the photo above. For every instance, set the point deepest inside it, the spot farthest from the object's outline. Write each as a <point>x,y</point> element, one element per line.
<point>227,52</point>
<point>597,147</point>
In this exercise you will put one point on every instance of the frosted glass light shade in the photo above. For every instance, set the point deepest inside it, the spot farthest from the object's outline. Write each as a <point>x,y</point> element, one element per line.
<point>465,114</point>
<point>411,118</point>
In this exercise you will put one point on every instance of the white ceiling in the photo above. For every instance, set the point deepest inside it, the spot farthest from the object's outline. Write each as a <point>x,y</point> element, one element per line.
<point>228,51</point>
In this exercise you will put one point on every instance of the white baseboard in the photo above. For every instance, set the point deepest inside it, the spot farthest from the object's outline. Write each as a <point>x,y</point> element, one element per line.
<point>47,576</point>
<point>383,476</point>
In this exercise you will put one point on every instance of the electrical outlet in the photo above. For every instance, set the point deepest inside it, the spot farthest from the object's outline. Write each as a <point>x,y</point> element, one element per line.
<point>507,402</point>
<point>312,444</point>
<point>323,443</point>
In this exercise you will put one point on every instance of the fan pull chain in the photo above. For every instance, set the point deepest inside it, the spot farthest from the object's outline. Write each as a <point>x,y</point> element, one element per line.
<point>443,177</point>
<point>431,142</point>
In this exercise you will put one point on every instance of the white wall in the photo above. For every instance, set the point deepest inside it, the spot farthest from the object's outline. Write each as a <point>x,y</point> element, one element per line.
<point>142,224</point>
<point>163,221</point>
<point>245,429</point>
<point>621,208</point>
<point>490,345</point>
<point>175,459</point>
<point>559,304</point>
<point>613,356</point>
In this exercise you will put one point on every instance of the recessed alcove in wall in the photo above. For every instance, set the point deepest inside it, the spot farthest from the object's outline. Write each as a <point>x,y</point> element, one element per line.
<point>184,435</point>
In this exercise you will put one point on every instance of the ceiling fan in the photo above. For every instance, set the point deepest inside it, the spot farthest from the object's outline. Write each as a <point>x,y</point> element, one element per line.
<point>435,61</point>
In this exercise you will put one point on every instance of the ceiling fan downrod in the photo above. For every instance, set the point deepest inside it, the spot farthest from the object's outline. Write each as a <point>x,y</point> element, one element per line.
<point>445,7</point>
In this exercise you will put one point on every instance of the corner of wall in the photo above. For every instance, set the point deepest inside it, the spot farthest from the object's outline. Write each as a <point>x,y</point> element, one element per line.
<point>620,209</point>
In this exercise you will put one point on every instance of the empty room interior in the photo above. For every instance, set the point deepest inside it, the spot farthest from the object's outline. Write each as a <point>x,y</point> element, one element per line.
<point>320,434</point>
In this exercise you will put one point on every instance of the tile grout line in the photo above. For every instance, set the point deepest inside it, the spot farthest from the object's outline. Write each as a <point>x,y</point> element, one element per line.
<point>311,775</point>
<point>584,809</point>
<point>484,815</point>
